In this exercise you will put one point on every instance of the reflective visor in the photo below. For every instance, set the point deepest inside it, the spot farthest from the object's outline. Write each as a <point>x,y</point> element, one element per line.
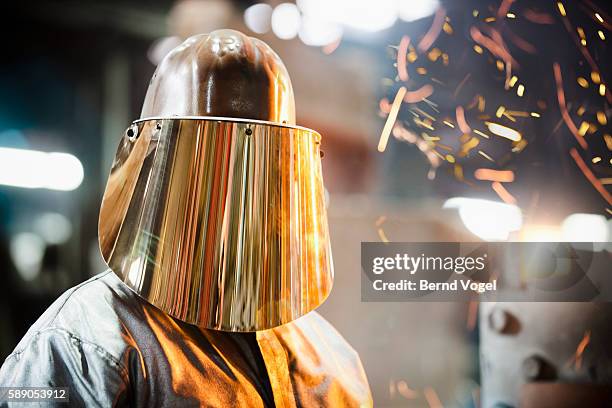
<point>219,222</point>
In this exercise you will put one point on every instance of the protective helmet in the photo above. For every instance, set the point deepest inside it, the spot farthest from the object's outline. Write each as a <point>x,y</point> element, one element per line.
<point>214,209</point>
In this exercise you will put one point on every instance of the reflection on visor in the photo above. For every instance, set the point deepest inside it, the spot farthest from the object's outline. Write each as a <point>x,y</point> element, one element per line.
<point>219,223</point>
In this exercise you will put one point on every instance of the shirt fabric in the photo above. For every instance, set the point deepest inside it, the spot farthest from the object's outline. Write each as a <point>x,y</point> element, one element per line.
<point>112,348</point>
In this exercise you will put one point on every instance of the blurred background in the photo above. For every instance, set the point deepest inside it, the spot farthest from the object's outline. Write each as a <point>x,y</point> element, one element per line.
<point>441,121</point>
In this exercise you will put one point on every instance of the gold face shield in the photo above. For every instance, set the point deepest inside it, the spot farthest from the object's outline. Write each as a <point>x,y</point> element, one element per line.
<point>219,222</point>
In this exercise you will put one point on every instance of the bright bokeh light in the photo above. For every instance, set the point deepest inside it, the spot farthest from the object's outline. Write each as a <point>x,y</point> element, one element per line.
<point>318,33</point>
<point>585,228</point>
<point>504,131</point>
<point>286,21</point>
<point>366,15</point>
<point>258,18</point>
<point>54,228</point>
<point>488,220</point>
<point>417,9</point>
<point>34,169</point>
<point>27,250</point>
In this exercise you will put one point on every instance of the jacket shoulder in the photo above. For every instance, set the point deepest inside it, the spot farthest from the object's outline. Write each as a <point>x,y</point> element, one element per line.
<point>87,312</point>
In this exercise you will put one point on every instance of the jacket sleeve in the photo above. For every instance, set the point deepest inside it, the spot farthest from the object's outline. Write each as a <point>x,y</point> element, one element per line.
<point>54,357</point>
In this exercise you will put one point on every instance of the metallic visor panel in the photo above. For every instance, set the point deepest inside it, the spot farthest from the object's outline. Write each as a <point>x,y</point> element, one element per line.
<point>219,223</point>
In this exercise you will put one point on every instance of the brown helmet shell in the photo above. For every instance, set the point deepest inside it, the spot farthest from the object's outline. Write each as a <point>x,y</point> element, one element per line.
<point>224,73</point>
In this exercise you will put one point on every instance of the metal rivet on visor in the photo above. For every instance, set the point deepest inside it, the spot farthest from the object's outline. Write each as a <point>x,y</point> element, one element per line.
<point>132,132</point>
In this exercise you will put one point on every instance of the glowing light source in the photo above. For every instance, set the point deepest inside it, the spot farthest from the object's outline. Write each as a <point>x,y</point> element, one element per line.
<point>503,131</point>
<point>366,15</point>
<point>585,228</point>
<point>54,228</point>
<point>489,220</point>
<point>417,9</point>
<point>316,32</point>
<point>34,169</point>
<point>258,18</point>
<point>27,250</point>
<point>286,20</point>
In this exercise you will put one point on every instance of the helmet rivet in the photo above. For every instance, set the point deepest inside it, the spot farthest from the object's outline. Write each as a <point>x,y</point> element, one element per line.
<point>132,132</point>
<point>248,132</point>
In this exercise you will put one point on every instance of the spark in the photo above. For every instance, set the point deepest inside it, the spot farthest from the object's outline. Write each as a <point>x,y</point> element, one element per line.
<point>521,114</point>
<point>412,56</point>
<point>500,111</point>
<point>511,15</point>
<point>520,90</point>
<point>581,35</point>
<point>402,50</point>
<point>596,159</point>
<point>420,94</point>
<point>499,50</point>
<point>423,123</point>
<point>598,17</point>
<point>584,126</point>
<point>563,108</point>
<point>535,114</point>
<point>561,8</point>
<point>463,81</point>
<point>434,54</point>
<point>582,82</point>
<point>421,70</point>
<point>503,193</point>
<point>580,110</point>
<point>606,181</point>
<point>503,131</point>
<point>384,105</point>
<point>538,18</point>
<point>460,115</point>
<point>469,145</point>
<point>433,32</point>
<point>478,49</point>
<point>581,347</point>
<point>590,176</point>
<point>432,398</point>
<point>608,140</point>
<point>512,81</point>
<point>602,89</point>
<point>397,102</point>
<point>478,132</point>
<point>448,29</point>
<point>486,156</point>
<point>481,103</point>
<point>519,146</point>
<point>489,19</point>
<point>474,13</point>
<point>602,119</point>
<point>502,176</point>
<point>450,158</point>
<point>595,77</point>
<point>458,172</point>
<point>601,35</point>
<point>449,124</point>
<point>382,235</point>
<point>406,391</point>
<point>500,65</point>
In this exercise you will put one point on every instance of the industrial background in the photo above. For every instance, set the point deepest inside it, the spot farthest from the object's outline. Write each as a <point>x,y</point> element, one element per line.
<point>441,121</point>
